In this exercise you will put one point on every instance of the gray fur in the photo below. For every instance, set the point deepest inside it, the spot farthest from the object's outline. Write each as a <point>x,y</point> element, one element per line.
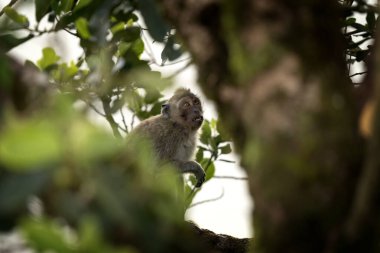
<point>173,139</point>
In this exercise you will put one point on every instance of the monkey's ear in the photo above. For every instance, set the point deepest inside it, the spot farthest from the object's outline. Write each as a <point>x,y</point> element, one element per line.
<point>165,110</point>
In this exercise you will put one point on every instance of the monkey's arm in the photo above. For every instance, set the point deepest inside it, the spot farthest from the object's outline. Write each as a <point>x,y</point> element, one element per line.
<point>191,167</point>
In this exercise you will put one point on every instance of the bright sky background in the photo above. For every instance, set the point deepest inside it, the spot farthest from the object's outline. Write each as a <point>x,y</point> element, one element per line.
<point>232,213</point>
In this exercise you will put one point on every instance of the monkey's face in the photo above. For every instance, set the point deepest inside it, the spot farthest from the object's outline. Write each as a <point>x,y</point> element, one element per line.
<point>189,112</point>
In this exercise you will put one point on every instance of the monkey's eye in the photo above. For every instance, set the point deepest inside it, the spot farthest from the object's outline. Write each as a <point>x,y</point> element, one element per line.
<point>186,104</point>
<point>196,102</point>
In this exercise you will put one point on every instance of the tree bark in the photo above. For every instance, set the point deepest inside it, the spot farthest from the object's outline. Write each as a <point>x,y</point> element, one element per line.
<point>283,90</point>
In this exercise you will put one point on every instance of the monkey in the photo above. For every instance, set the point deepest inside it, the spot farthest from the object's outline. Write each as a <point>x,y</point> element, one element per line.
<point>173,133</point>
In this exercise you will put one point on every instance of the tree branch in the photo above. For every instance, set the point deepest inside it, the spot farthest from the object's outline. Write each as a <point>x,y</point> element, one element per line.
<point>108,115</point>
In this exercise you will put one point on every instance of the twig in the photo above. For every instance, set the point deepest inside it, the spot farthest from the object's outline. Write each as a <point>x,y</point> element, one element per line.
<point>226,161</point>
<point>149,50</point>
<point>123,120</point>
<point>230,177</point>
<point>208,200</point>
<point>180,70</point>
<point>173,63</point>
<point>121,113</point>
<point>213,156</point>
<point>133,120</point>
<point>8,5</point>
<point>70,32</point>
<point>108,115</point>
<point>94,108</point>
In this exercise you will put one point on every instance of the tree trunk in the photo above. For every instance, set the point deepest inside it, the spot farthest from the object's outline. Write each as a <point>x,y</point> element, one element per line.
<point>277,73</point>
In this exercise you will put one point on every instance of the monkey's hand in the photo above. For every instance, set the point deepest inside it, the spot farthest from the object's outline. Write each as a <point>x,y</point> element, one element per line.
<point>194,168</point>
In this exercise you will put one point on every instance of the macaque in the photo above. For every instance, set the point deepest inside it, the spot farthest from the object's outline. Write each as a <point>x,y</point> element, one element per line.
<point>174,132</point>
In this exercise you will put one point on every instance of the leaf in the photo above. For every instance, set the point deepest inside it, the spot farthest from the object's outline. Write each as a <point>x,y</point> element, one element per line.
<point>26,145</point>
<point>8,41</point>
<point>210,171</point>
<point>371,20</point>
<point>89,143</point>
<point>199,155</point>
<point>171,50</point>
<point>152,96</point>
<point>156,26</point>
<point>129,34</point>
<point>117,27</point>
<point>134,100</point>
<point>156,109</point>
<point>361,55</point>
<point>214,142</point>
<point>66,5</point>
<point>65,72</point>
<point>349,21</point>
<point>358,26</point>
<point>49,58</point>
<point>226,149</point>
<point>138,47</point>
<point>148,79</point>
<point>82,27</point>
<point>206,133</point>
<point>42,8</point>
<point>16,17</point>
<point>81,4</point>
<point>45,235</point>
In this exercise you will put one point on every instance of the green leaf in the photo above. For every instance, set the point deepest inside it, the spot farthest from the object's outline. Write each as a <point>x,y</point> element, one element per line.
<point>153,20</point>
<point>49,58</point>
<point>27,145</point>
<point>210,171</point>
<point>152,96</point>
<point>206,133</point>
<point>88,142</point>
<point>45,235</point>
<point>138,46</point>
<point>213,143</point>
<point>156,109</point>
<point>226,149</point>
<point>134,100</point>
<point>66,5</point>
<point>81,4</point>
<point>148,79</point>
<point>213,123</point>
<point>8,41</point>
<point>349,21</point>
<point>42,8</point>
<point>129,34</point>
<point>199,155</point>
<point>16,17</point>
<point>65,72</point>
<point>82,27</point>
<point>117,27</point>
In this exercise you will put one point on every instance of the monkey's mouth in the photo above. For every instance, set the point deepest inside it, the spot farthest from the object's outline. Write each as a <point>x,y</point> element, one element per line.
<point>198,119</point>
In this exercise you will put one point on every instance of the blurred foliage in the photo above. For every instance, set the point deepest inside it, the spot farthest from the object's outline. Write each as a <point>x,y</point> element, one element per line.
<point>95,193</point>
